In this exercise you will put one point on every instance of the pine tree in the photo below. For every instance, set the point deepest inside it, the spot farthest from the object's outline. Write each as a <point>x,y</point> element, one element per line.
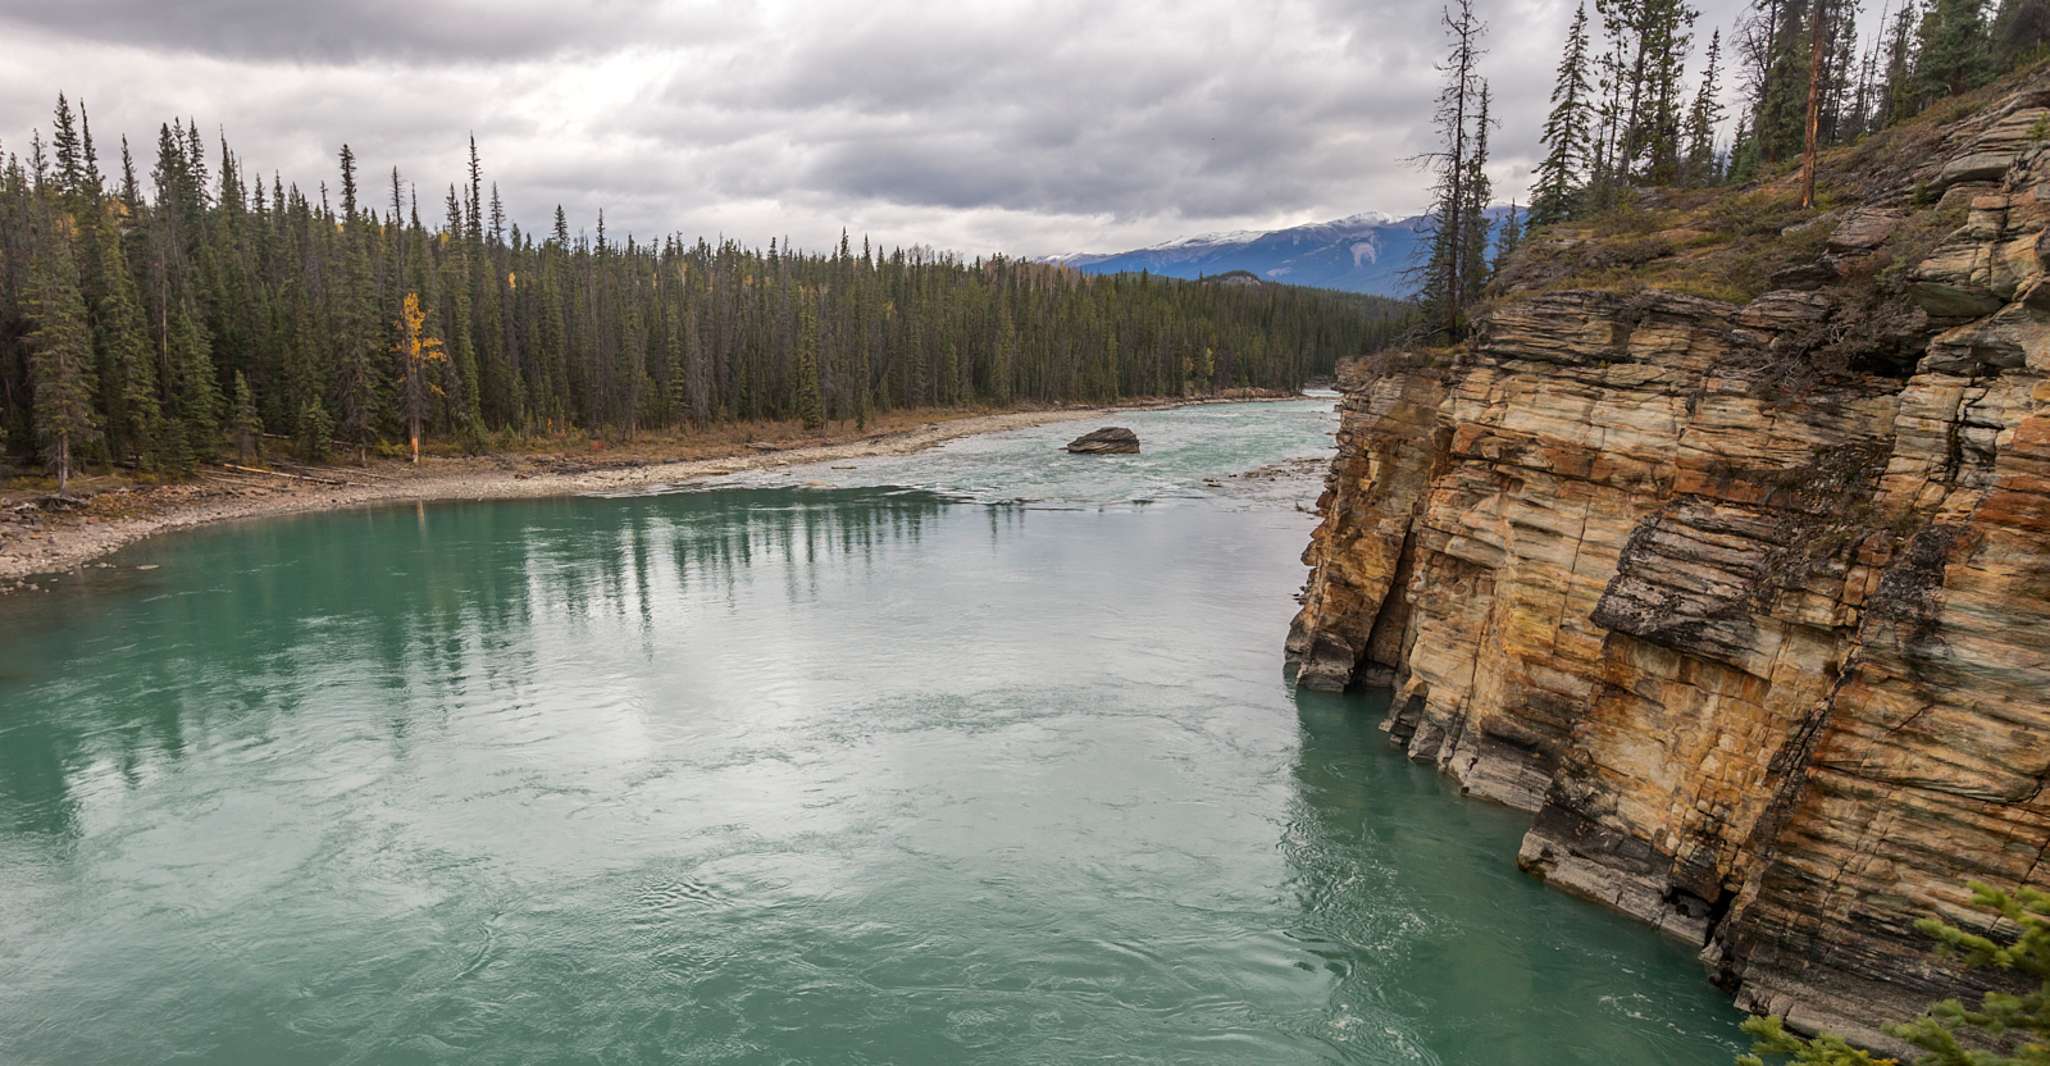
<point>1442,285</point>
<point>1897,91</point>
<point>248,424</point>
<point>1954,51</point>
<point>60,352</point>
<point>1475,225</point>
<point>195,394</point>
<point>2021,32</point>
<point>1506,243</point>
<point>1004,357</point>
<point>1704,117</point>
<point>70,152</point>
<point>315,429</point>
<point>1666,36</point>
<point>811,407</point>
<point>676,391</point>
<point>128,376</point>
<point>1779,120</point>
<point>1566,132</point>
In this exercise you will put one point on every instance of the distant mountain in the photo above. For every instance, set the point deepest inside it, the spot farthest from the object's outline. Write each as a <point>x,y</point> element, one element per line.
<point>1364,253</point>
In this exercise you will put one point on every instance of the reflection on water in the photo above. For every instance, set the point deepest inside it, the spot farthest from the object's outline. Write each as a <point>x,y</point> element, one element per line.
<point>759,775</point>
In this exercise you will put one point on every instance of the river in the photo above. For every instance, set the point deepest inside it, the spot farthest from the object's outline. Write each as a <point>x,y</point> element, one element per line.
<point>982,755</point>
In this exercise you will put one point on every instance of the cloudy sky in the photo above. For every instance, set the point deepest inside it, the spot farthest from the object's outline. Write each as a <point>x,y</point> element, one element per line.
<point>1027,128</point>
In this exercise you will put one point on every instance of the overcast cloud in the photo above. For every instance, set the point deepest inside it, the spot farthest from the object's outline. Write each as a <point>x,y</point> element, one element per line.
<point>982,127</point>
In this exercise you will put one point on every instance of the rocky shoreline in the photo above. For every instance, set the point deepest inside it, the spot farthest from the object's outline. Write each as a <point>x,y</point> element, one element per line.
<point>39,538</point>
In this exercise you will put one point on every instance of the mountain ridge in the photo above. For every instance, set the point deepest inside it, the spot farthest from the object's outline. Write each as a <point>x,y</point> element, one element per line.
<point>1368,252</point>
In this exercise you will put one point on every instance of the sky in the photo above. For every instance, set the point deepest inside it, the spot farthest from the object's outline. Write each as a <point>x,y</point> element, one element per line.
<point>972,125</point>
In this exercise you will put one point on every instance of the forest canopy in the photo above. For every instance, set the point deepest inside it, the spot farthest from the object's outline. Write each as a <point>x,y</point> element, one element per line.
<point>147,318</point>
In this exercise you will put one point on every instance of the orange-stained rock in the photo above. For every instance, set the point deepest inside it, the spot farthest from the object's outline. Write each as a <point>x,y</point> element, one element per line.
<point>1771,673</point>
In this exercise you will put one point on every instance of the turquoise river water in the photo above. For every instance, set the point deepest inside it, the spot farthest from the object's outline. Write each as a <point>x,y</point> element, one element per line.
<point>866,763</point>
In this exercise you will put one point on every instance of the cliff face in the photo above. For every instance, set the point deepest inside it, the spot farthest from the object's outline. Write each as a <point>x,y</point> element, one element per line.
<point>1747,601</point>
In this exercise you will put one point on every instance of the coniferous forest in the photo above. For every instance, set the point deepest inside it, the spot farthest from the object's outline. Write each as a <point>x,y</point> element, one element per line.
<point>1622,116</point>
<point>159,312</point>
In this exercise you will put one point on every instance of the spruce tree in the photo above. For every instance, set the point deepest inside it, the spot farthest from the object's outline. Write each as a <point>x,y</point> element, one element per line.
<point>128,375</point>
<point>1475,225</point>
<point>1507,241</point>
<point>60,350</point>
<point>70,153</point>
<point>195,394</point>
<point>1566,131</point>
<point>2021,32</point>
<point>248,424</point>
<point>1780,118</point>
<point>1897,90</point>
<point>1954,52</point>
<point>314,430</point>
<point>810,404</point>
<point>1704,117</point>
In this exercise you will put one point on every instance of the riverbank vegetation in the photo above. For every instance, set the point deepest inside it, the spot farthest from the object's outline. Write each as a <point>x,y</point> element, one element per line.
<point>156,318</point>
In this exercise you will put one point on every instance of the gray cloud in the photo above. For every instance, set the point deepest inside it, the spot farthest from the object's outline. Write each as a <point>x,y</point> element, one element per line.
<point>1020,127</point>
<point>427,31</point>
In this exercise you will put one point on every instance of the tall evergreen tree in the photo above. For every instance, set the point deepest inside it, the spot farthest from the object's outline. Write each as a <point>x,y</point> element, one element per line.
<point>811,407</point>
<point>128,374</point>
<point>1954,50</point>
<point>1566,131</point>
<point>1897,88</point>
<point>1475,225</point>
<point>2021,32</point>
<point>60,352</point>
<point>248,424</point>
<point>1507,241</point>
<point>1704,117</point>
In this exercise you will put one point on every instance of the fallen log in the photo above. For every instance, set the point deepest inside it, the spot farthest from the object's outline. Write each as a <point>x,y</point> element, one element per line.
<point>279,473</point>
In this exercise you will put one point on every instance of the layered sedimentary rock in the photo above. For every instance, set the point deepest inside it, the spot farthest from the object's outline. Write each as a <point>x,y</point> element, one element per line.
<point>1770,666</point>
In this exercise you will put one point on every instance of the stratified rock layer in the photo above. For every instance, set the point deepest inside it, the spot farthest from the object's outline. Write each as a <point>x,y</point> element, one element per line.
<point>1772,673</point>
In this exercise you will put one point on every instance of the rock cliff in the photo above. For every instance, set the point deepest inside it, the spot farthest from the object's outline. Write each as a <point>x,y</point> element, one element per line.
<point>1723,547</point>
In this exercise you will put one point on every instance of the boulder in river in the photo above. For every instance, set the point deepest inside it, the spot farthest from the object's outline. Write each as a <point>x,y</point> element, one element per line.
<point>1110,440</point>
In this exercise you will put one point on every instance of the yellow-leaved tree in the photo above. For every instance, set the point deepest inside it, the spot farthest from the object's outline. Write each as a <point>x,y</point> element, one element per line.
<point>416,349</point>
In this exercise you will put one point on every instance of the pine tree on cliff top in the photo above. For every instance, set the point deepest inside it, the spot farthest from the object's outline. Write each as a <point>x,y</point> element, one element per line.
<point>1440,288</point>
<point>1475,225</point>
<point>1704,117</point>
<point>1566,132</point>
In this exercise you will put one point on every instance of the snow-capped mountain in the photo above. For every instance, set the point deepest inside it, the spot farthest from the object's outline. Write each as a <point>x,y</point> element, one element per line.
<point>1362,253</point>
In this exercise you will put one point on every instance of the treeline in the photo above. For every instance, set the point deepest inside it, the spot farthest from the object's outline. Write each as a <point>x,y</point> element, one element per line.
<point>1621,115</point>
<point>157,325</point>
